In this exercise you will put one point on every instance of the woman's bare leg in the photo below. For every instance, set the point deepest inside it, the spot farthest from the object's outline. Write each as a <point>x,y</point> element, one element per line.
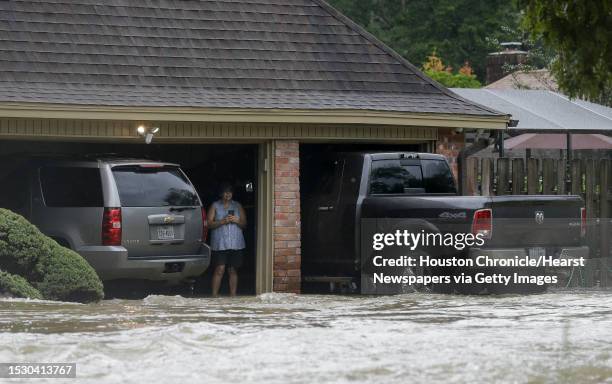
<point>233,280</point>
<point>216,279</point>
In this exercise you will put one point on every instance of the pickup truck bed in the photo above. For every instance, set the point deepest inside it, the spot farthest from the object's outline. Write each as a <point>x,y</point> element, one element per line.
<point>416,191</point>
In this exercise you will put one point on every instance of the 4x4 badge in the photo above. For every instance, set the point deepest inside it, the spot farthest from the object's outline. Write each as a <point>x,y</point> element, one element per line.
<point>539,217</point>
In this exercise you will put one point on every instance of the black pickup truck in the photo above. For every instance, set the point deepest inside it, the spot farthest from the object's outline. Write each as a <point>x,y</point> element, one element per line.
<point>348,194</point>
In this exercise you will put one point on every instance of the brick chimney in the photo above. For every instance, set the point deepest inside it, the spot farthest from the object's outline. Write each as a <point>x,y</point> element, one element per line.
<point>510,55</point>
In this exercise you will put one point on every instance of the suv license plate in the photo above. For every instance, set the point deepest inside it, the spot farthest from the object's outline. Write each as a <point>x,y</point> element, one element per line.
<point>536,252</point>
<point>165,232</point>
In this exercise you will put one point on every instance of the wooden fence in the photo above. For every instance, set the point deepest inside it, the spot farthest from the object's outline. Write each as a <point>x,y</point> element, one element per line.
<point>591,179</point>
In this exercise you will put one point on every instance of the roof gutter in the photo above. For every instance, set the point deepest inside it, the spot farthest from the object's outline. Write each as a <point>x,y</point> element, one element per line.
<point>303,116</point>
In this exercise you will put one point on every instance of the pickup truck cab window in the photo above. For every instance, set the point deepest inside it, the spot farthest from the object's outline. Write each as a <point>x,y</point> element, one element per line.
<point>437,177</point>
<point>411,176</point>
<point>392,177</point>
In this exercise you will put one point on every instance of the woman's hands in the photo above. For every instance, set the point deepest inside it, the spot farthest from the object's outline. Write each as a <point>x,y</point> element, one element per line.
<point>238,220</point>
<point>232,219</point>
<point>229,219</point>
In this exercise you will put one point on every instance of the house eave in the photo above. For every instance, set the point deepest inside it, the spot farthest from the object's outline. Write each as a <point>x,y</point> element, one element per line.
<point>348,116</point>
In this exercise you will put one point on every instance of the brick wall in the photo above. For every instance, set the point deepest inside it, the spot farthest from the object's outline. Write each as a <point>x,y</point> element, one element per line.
<point>287,245</point>
<point>450,145</point>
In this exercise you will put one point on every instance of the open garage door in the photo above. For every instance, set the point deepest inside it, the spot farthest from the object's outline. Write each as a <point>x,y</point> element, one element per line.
<point>206,165</point>
<point>328,185</point>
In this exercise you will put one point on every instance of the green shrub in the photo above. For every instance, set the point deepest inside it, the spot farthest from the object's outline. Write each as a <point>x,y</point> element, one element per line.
<point>21,245</point>
<point>57,272</point>
<point>67,276</point>
<point>17,286</point>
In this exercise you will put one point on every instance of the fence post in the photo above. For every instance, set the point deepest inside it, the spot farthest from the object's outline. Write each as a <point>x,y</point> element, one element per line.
<point>604,218</point>
<point>562,176</point>
<point>471,176</point>
<point>589,197</point>
<point>533,181</point>
<point>518,176</point>
<point>487,177</point>
<point>548,176</point>
<point>576,177</point>
<point>503,174</point>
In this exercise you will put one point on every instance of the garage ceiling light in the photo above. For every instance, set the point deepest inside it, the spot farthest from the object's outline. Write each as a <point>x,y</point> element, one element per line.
<point>147,132</point>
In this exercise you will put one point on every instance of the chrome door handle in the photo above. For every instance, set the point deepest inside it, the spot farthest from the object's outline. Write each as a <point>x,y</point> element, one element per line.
<point>326,208</point>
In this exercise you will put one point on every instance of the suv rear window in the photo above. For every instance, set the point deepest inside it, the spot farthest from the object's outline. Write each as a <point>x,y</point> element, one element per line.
<point>153,187</point>
<point>71,187</point>
<point>411,176</point>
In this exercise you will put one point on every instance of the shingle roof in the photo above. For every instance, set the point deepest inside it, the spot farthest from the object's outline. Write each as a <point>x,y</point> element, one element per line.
<point>203,53</point>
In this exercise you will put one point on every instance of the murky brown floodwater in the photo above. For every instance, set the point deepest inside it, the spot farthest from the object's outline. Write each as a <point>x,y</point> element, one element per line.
<point>279,338</point>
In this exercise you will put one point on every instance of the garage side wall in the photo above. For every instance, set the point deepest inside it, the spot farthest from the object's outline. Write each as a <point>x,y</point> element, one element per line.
<point>450,143</point>
<point>287,243</point>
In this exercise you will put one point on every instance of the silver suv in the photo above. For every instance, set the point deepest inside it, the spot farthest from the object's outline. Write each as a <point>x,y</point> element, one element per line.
<point>130,219</point>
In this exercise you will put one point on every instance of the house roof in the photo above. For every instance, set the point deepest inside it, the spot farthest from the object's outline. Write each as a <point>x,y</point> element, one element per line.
<point>544,111</point>
<point>537,79</point>
<point>265,54</point>
<point>558,141</point>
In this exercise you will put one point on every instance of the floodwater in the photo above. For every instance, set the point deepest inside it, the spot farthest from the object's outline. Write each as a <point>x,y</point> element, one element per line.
<point>556,337</point>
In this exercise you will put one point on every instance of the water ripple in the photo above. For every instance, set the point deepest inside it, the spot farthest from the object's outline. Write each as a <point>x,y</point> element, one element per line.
<point>283,338</point>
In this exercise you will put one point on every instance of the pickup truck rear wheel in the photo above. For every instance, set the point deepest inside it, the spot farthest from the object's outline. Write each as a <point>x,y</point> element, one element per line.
<point>417,287</point>
<point>420,272</point>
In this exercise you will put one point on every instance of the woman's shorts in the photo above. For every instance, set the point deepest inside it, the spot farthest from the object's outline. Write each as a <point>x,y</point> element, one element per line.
<point>229,257</point>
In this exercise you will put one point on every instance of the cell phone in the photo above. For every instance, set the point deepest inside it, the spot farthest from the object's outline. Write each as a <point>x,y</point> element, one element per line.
<point>230,212</point>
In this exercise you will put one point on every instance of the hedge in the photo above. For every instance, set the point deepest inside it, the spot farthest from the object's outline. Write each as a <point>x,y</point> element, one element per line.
<point>16,286</point>
<point>56,272</point>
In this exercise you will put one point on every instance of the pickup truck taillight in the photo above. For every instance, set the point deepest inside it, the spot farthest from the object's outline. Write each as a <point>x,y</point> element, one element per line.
<point>111,226</point>
<point>583,222</point>
<point>483,223</point>
<point>204,225</point>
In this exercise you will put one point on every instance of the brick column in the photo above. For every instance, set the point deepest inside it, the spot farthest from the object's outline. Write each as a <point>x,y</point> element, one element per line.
<point>287,245</point>
<point>450,145</point>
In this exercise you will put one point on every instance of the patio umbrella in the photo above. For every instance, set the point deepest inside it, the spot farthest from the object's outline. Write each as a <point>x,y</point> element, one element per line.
<point>558,141</point>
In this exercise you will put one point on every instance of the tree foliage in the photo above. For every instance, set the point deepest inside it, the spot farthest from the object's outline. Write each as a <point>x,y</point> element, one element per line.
<point>581,34</point>
<point>458,30</point>
<point>464,78</point>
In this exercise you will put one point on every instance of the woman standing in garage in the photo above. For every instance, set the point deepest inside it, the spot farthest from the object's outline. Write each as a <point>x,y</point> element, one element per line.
<point>227,220</point>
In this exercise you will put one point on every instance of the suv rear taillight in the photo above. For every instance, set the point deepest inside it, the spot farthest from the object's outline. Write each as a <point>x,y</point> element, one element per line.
<point>583,222</point>
<point>204,225</point>
<point>483,223</point>
<point>111,226</point>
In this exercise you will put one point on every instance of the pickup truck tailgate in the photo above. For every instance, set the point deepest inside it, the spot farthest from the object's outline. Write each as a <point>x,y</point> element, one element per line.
<point>535,220</point>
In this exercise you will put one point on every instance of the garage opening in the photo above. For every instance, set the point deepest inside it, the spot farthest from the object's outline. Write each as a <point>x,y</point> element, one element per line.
<point>208,166</point>
<point>328,184</point>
